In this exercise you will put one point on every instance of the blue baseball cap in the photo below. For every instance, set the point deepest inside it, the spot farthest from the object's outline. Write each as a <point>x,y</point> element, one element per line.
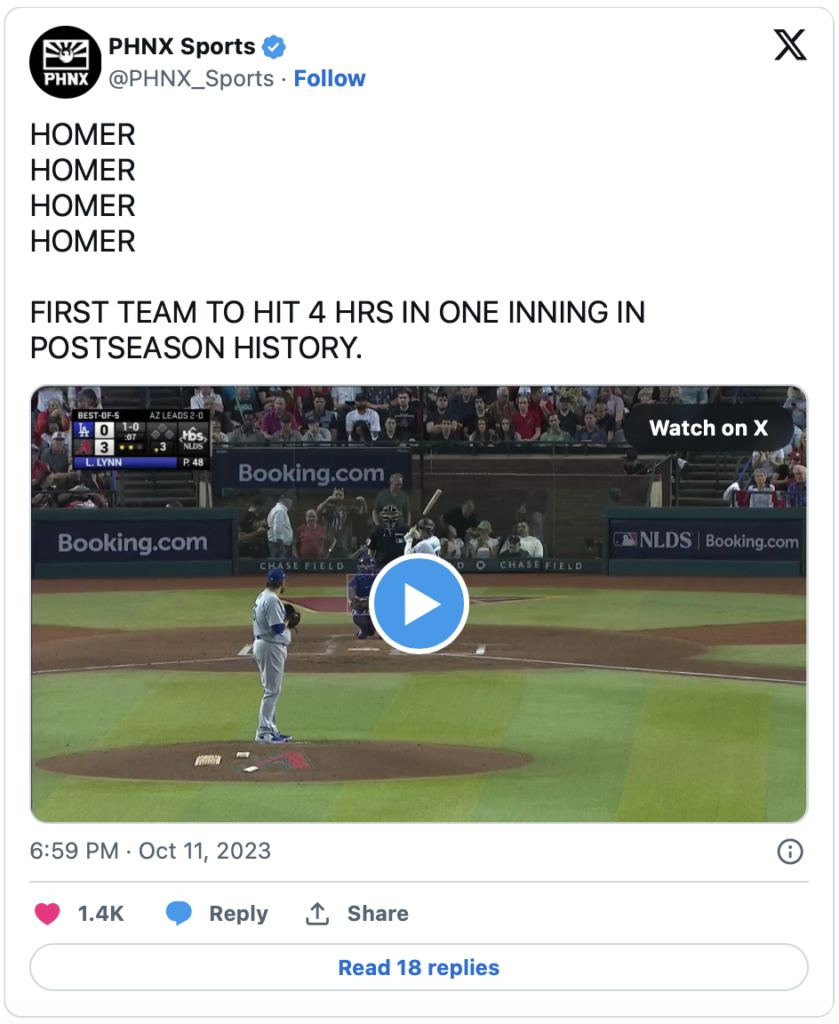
<point>276,575</point>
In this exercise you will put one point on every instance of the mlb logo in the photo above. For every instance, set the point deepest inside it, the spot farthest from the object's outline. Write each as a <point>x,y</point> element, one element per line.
<point>66,55</point>
<point>83,430</point>
<point>626,540</point>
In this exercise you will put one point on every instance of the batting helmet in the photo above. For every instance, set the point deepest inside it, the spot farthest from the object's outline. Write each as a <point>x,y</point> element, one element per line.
<point>426,525</point>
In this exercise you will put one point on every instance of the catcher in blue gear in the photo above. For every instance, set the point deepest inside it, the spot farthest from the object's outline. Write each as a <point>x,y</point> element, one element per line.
<point>359,595</point>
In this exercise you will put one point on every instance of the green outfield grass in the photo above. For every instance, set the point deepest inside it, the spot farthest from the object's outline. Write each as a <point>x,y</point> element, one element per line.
<point>605,745</point>
<point>788,655</point>
<point>575,609</point>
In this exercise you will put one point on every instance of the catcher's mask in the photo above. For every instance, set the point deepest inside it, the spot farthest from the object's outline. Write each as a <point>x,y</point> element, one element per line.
<point>389,515</point>
<point>367,564</point>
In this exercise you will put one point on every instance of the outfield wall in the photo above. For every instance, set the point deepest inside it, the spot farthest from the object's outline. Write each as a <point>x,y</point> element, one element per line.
<point>705,541</point>
<point>128,542</point>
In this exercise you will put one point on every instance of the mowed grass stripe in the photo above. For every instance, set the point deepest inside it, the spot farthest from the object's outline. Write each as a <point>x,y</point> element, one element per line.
<point>786,655</point>
<point>786,769</point>
<point>579,609</point>
<point>579,728</point>
<point>699,754</point>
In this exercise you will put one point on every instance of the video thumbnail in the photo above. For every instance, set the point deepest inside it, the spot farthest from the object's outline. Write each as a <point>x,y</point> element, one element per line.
<point>375,604</point>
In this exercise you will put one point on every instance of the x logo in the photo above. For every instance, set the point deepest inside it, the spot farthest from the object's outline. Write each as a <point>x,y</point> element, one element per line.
<point>790,45</point>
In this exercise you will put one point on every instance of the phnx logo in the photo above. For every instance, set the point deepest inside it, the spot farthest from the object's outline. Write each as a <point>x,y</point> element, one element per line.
<point>65,62</point>
<point>654,540</point>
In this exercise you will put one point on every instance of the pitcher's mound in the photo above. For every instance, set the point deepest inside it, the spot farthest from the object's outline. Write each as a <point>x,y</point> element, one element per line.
<point>286,762</point>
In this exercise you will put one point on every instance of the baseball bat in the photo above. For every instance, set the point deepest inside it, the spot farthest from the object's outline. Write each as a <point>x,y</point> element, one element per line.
<point>432,501</point>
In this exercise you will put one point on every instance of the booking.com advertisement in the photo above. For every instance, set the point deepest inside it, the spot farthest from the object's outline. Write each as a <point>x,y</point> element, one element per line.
<point>367,697</point>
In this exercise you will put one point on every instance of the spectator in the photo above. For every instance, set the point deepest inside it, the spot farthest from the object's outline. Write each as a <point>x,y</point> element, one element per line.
<point>460,521</point>
<point>45,394</point>
<point>768,462</point>
<point>272,421</point>
<point>393,495</point>
<point>344,401</point>
<point>310,539</point>
<point>360,433</point>
<point>482,435</point>
<point>761,494</point>
<point>217,437</point>
<point>645,397</point>
<point>674,397</point>
<point>481,410</point>
<point>244,400</point>
<point>253,532</point>
<point>590,433</point>
<point>315,433</point>
<point>530,545</point>
<point>289,434</point>
<point>568,418</point>
<point>796,402</point>
<point>38,467</point>
<point>605,421</point>
<point>266,396</point>
<point>542,403</point>
<point>391,432</point>
<point>302,400</point>
<point>501,407</point>
<point>797,488</point>
<point>338,517</point>
<point>406,413</point>
<point>52,418</point>
<point>206,398</point>
<point>85,398</point>
<point>484,545</point>
<point>462,410</point>
<point>247,433</point>
<point>696,396</point>
<point>434,423</point>
<point>450,432</point>
<point>56,457</point>
<point>323,416</point>
<point>363,414</point>
<point>554,434</point>
<point>527,419</point>
<point>378,399</point>
<point>614,405</point>
<point>506,431</point>
<point>280,533</point>
<point>43,494</point>
<point>632,465</point>
<point>512,546</point>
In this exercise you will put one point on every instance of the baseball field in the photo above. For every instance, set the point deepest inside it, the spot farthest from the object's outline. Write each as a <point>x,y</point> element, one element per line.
<point>589,699</point>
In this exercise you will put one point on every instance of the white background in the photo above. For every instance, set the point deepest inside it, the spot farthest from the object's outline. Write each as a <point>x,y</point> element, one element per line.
<point>577,154</point>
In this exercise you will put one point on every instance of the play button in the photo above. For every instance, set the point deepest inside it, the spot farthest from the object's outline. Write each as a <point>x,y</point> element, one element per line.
<point>419,604</point>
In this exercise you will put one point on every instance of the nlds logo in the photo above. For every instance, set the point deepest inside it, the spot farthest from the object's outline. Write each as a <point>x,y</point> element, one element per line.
<point>65,62</point>
<point>654,540</point>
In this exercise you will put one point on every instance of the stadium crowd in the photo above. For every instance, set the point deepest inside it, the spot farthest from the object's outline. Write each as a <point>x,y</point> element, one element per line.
<point>470,417</point>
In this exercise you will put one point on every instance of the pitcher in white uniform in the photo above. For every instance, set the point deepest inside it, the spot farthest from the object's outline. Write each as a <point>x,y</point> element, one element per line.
<point>271,637</point>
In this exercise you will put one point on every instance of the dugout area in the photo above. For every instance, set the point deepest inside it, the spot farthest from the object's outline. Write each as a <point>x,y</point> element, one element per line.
<point>587,698</point>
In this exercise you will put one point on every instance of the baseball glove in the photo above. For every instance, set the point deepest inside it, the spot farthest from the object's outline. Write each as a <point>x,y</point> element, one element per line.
<point>292,616</point>
<point>360,604</point>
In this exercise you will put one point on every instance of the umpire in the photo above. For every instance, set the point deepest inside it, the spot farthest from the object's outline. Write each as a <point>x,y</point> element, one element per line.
<point>387,542</point>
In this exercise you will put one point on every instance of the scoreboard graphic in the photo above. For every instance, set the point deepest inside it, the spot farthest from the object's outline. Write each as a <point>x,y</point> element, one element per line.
<point>141,439</point>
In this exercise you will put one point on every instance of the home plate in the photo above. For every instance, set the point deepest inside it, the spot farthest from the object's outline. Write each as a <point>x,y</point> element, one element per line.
<point>480,650</point>
<point>245,650</point>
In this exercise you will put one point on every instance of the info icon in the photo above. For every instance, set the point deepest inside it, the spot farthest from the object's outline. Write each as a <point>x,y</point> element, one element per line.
<point>65,62</point>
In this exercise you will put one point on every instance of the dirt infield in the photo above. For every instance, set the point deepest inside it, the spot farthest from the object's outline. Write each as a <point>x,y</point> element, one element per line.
<point>289,762</point>
<point>588,581</point>
<point>483,648</point>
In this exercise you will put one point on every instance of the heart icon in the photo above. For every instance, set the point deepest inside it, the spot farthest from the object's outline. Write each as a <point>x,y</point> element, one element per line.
<point>47,912</point>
